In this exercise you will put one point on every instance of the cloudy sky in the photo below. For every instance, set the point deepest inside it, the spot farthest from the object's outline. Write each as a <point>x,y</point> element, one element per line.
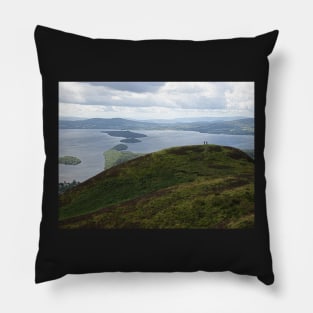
<point>155,100</point>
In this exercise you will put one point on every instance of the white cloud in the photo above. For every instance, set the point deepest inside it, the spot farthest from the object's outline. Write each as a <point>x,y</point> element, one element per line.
<point>156,99</point>
<point>240,96</point>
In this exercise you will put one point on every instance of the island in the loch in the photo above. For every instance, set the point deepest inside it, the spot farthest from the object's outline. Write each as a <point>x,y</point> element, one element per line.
<point>130,140</point>
<point>69,160</point>
<point>118,155</point>
<point>130,137</point>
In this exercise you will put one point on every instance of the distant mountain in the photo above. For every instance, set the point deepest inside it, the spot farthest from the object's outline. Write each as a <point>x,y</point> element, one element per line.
<point>72,118</point>
<point>244,126</point>
<point>104,123</point>
<point>195,119</point>
<point>238,127</point>
<point>195,187</point>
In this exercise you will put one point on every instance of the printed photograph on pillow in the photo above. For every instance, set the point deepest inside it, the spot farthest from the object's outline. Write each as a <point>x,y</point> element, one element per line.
<point>156,155</point>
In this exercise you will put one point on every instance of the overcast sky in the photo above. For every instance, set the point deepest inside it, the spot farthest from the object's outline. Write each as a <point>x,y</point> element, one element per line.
<point>155,100</point>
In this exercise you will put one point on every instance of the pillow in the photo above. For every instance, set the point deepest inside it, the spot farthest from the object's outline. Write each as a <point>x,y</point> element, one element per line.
<point>154,155</point>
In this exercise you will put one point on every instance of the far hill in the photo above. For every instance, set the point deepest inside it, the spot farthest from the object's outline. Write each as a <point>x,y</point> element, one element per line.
<point>196,119</point>
<point>105,123</point>
<point>193,187</point>
<point>242,126</point>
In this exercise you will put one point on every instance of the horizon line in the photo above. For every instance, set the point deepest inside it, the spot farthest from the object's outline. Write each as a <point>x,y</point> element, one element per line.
<point>148,119</point>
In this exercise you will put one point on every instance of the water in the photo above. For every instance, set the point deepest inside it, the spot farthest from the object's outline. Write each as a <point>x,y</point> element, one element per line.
<point>89,144</point>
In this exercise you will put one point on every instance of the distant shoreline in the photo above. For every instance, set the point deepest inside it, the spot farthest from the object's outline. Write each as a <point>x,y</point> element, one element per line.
<point>242,126</point>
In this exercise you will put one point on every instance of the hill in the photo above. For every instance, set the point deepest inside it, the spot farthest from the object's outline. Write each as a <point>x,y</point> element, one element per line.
<point>195,119</point>
<point>105,123</point>
<point>242,126</point>
<point>205,186</point>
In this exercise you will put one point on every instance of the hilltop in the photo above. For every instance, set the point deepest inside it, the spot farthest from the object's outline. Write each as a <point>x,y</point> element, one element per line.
<point>201,186</point>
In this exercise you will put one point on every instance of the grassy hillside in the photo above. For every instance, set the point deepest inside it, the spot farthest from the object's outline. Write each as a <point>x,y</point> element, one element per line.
<point>250,152</point>
<point>204,186</point>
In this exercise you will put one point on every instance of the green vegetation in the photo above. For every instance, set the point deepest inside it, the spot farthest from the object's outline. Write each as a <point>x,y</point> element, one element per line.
<point>250,152</point>
<point>120,147</point>
<point>69,160</point>
<point>198,187</point>
<point>117,155</point>
<point>130,140</point>
<point>66,186</point>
